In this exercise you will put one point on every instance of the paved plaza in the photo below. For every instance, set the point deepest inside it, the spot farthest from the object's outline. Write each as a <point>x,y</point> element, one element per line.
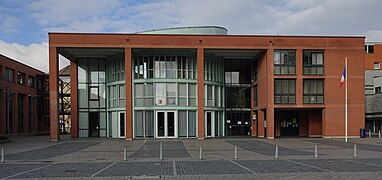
<point>91,158</point>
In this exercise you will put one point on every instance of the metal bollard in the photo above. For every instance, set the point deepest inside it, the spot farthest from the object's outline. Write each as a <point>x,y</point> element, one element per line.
<point>124,154</point>
<point>200,153</point>
<point>277,152</point>
<point>355,151</point>
<point>235,152</point>
<point>369,133</point>
<point>160,151</point>
<point>379,134</point>
<point>315,151</point>
<point>2,155</point>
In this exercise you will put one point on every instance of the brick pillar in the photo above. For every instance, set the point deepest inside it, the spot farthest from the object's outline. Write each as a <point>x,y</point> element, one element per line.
<point>270,95</point>
<point>73,99</point>
<point>299,83</point>
<point>129,93</point>
<point>253,124</point>
<point>200,65</point>
<point>260,123</point>
<point>53,94</point>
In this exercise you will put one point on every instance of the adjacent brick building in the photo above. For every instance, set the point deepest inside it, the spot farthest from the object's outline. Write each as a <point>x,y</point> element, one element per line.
<point>203,83</point>
<point>19,107</point>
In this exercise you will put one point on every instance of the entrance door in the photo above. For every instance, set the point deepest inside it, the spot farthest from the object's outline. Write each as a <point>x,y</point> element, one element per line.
<point>122,124</point>
<point>209,124</point>
<point>93,124</point>
<point>166,124</point>
<point>289,124</point>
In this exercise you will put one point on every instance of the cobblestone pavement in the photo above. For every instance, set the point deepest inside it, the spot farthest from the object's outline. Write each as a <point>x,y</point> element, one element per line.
<point>38,158</point>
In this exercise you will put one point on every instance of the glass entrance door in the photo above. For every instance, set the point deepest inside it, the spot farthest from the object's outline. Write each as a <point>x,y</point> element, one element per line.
<point>209,124</point>
<point>166,124</point>
<point>93,124</point>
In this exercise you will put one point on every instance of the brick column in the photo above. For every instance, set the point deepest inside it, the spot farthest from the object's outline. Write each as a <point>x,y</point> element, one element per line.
<point>260,124</point>
<point>200,65</point>
<point>299,83</point>
<point>129,94</point>
<point>53,94</point>
<point>270,95</point>
<point>74,99</point>
<point>253,113</point>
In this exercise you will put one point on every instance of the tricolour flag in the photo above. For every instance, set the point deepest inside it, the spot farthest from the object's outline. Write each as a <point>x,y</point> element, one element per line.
<point>343,78</point>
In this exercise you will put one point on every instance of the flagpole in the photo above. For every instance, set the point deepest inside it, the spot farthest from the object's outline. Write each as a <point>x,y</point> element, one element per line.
<point>346,99</point>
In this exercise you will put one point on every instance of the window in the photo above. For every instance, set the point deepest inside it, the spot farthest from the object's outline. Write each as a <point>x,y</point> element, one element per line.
<point>377,65</point>
<point>256,96</point>
<point>165,66</point>
<point>313,62</point>
<point>121,95</point>
<point>285,91</point>
<point>10,75</point>
<point>31,81</point>
<point>377,90</point>
<point>93,93</point>
<point>284,62</point>
<point>313,91</point>
<point>171,94</point>
<point>182,94</point>
<point>369,49</point>
<point>21,78</point>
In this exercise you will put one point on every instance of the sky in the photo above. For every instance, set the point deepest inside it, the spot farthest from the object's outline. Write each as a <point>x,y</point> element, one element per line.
<point>24,24</point>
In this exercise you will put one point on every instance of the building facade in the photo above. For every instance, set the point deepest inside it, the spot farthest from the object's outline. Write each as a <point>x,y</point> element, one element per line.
<point>208,85</point>
<point>19,110</point>
<point>373,85</point>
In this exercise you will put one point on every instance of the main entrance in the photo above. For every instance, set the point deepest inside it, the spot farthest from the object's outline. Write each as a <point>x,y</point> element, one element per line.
<point>94,124</point>
<point>166,124</point>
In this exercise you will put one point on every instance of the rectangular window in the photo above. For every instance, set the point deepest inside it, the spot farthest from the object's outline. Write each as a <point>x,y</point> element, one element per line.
<point>139,94</point>
<point>369,49</point>
<point>377,65</point>
<point>313,91</point>
<point>182,94</point>
<point>31,81</point>
<point>284,62</point>
<point>93,93</point>
<point>10,75</point>
<point>171,94</point>
<point>192,94</point>
<point>285,91</point>
<point>313,62</point>
<point>21,78</point>
<point>121,95</point>
<point>377,90</point>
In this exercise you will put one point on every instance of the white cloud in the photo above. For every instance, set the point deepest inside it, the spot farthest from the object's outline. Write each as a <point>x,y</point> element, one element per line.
<point>34,55</point>
<point>8,24</point>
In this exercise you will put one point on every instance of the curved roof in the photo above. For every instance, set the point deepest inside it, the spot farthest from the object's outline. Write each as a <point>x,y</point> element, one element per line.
<point>202,30</point>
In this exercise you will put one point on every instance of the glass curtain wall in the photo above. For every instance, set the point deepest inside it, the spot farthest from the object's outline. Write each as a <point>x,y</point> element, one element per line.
<point>214,96</point>
<point>91,97</point>
<point>238,97</point>
<point>164,85</point>
<point>116,96</point>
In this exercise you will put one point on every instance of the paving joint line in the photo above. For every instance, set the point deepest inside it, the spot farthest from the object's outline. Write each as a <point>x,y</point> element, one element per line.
<point>237,164</point>
<point>371,164</point>
<point>174,168</point>
<point>327,170</point>
<point>107,167</point>
<point>35,169</point>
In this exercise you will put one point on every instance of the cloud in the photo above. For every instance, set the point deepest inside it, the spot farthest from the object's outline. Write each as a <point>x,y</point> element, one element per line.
<point>9,24</point>
<point>34,55</point>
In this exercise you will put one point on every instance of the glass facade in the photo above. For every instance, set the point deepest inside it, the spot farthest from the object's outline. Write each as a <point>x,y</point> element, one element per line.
<point>91,98</point>
<point>165,93</point>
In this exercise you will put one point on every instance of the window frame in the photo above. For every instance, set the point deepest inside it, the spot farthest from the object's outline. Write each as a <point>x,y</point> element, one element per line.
<point>288,95</point>
<point>307,62</point>
<point>377,63</point>
<point>7,77</point>
<point>21,77</point>
<point>279,66</point>
<point>310,94</point>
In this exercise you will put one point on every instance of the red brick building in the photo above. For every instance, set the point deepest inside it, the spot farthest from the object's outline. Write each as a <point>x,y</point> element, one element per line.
<point>19,107</point>
<point>186,85</point>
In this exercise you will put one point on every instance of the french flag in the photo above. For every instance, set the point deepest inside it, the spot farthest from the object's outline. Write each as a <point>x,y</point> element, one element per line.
<point>343,78</point>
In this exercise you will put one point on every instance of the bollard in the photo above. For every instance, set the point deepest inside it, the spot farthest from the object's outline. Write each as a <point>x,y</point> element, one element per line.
<point>235,152</point>
<point>277,152</point>
<point>355,151</point>
<point>2,155</point>
<point>160,151</point>
<point>369,133</point>
<point>124,154</point>
<point>379,134</point>
<point>200,153</point>
<point>315,151</point>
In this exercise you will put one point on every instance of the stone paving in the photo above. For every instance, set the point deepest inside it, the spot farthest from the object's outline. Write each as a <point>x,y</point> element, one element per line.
<point>103,159</point>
